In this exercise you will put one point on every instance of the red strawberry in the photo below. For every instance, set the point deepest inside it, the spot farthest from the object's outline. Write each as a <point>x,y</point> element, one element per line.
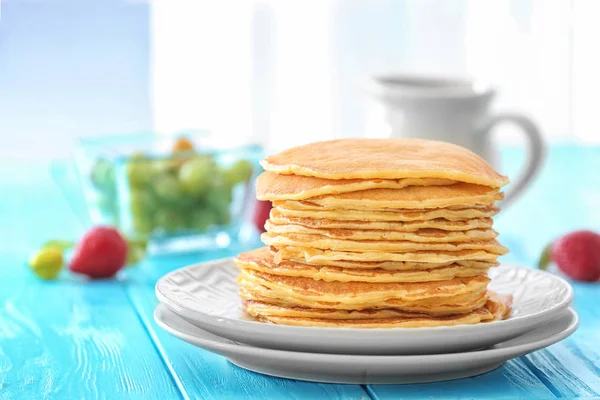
<point>577,254</point>
<point>101,253</point>
<point>261,214</point>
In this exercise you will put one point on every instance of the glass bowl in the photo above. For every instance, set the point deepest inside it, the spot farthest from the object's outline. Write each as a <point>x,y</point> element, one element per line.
<point>180,192</point>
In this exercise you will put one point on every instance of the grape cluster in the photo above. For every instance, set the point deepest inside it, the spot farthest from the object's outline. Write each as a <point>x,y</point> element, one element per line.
<point>184,191</point>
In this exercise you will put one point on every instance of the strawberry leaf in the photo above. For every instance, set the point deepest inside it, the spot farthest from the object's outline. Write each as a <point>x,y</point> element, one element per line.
<point>60,245</point>
<point>545,257</point>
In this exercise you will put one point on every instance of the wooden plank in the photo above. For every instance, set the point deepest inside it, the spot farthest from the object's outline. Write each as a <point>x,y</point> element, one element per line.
<point>585,302</point>
<point>546,211</point>
<point>572,367</point>
<point>569,368</point>
<point>513,380</point>
<point>76,341</point>
<point>204,375</point>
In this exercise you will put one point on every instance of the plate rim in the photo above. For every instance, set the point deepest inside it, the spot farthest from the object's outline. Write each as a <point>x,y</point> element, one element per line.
<point>211,319</point>
<point>251,350</point>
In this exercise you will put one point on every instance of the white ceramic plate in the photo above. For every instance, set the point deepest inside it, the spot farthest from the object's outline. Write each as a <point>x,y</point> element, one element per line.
<point>206,296</point>
<point>363,369</point>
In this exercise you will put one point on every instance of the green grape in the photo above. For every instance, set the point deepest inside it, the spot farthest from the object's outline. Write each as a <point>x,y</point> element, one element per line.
<point>201,219</point>
<point>169,220</point>
<point>167,188</point>
<point>142,225</point>
<point>195,175</point>
<point>240,171</point>
<point>141,202</point>
<point>138,171</point>
<point>163,165</point>
<point>218,193</point>
<point>180,156</point>
<point>172,163</point>
<point>218,199</point>
<point>223,214</point>
<point>103,175</point>
<point>226,193</point>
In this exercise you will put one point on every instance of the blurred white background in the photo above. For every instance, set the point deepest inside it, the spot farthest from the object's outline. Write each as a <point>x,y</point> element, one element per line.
<point>280,71</point>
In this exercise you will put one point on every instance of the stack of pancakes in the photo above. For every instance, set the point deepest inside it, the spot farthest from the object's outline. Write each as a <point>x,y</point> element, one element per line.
<point>375,233</point>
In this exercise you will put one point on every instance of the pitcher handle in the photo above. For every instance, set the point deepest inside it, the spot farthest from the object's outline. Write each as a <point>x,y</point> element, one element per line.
<point>536,151</point>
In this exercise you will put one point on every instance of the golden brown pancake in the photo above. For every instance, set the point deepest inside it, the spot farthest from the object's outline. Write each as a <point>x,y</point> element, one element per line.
<point>270,186</point>
<point>434,298</point>
<point>495,309</point>
<point>278,218</point>
<point>308,205</point>
<point>260,308</point>
<point>326,243</point>
<point>386,265</point>
<point>500,305</point>
<point>475,317</point>
<point>356,292</point>
<point>375,233</point>
<point>320,256</point>
<point>426,235</point>
<point>385,159</point>
<point>288,210</point>
<point>262,260</point>
<point>411,197</point>
<point>459,304</point>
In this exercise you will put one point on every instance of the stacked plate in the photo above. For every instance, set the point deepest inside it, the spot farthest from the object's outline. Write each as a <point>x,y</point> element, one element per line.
<point>381,267</point>
<point>200,304</point>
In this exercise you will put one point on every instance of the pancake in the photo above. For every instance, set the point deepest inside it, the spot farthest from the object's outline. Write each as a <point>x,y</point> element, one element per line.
<point>262,260</point>
<point>421,235</point>
<point>270,186</point>
<point>411,197</point>
<point>500,305</point>
<point>289,210</point>
<point>385,159</point>
<point>472,318</point>
<point>257,308</point>
<point>308,205</point>
<point>320,256</point>
<point>460,304</point>
<point>278,218</point>
<point>375,234</point>
<point>326,243</point>
<point>495,309</point>
<point>434,298</point>
<point>386,265</point>
<point>362,292</point>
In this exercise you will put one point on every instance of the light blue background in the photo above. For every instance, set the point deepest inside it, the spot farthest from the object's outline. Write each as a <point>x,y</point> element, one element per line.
<point>71,68</point>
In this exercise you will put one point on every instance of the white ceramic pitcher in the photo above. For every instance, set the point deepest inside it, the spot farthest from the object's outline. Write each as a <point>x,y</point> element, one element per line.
<point>453,110</point>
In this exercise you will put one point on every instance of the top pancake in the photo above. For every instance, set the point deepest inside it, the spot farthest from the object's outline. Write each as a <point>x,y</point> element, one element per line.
<point>271,186</point>
<point>411,197</point>
<point>385,159</point>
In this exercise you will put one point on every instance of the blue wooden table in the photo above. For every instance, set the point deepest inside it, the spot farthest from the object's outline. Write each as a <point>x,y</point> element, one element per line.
<point>70,339</point>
